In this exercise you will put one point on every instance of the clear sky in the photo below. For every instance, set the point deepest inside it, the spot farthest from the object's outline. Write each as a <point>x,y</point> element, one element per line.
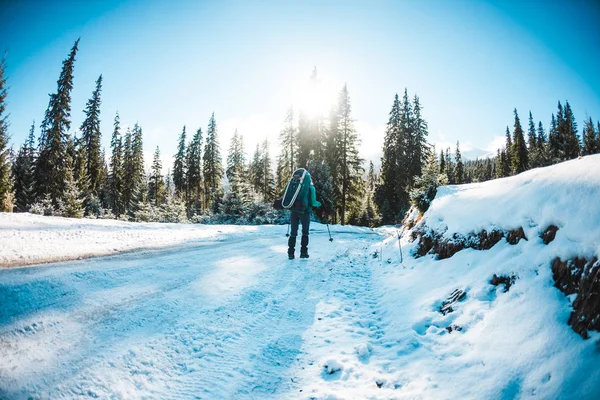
<point>167,64</point>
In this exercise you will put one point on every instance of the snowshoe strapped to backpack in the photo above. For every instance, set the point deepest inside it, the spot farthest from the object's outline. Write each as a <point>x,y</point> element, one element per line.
<point>294,197</point>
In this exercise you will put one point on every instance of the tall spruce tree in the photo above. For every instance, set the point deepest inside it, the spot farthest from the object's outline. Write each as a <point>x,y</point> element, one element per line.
<point>590,139</point>
<point>389,200</point>
<point>570,140</point>
<point>236,166</point>
<point>542,146</point>
<point>459,170</point>
<point>553,140</point>
<point>116,170</point>
<point>91,139</point>
<point>23,173</point>
<point>532,142</point>
<point>519,156</point>
<point>193,170</point>
<point>179,172</point>
<point>349,161</point>
<point>52,166</point>
<point>213,167</point>
<point>268,181</point>
<point>140,182</point>
<point>287,157</point>
<point>419,147</point>
<point>508,148</point>
<point>156,185</point>
<point>5,166</point>
<point>255,170</point>
<point>449,168</point>
<point>128,172</point>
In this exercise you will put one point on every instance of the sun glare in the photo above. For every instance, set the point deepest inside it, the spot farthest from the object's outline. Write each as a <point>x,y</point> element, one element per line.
<point>313,98</point>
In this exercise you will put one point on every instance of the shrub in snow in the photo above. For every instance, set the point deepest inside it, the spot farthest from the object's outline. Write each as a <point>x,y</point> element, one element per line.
<point>173,212</point>
<point>44,207</point>
<point>332,366</point>
<point>363,349</point>
<point>426,185</point>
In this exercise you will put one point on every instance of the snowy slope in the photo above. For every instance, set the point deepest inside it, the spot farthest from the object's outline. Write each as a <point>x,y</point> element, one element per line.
<point>29,239</point>
<point>229,317</point>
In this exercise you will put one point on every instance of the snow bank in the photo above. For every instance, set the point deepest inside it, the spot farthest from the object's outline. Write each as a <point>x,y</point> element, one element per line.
<point>566,195</point>
<point>495,343</point>
<point>32,239</point>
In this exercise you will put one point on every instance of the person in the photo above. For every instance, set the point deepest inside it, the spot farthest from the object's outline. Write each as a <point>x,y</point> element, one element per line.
<point>301,210</point>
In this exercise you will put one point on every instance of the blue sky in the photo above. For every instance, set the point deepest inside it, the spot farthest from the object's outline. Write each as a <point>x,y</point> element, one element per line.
<point>168,64</point>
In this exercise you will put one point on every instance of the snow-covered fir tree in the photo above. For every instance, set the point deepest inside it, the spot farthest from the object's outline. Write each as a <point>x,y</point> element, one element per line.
<point>23,173</point>
<point>6,190</point>
<point>193,174</point>
<point>52,167</point>
<point>91,139</point>
<point>212,167</point>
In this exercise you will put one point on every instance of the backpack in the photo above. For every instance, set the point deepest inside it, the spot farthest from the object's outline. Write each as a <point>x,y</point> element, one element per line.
<point>296,193</point>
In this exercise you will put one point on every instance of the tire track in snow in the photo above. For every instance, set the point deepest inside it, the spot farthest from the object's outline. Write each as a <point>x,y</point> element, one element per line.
<point>166,340</point>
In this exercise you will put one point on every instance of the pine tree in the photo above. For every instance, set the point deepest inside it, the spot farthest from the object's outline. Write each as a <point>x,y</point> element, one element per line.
<point>419,147</point>
<point>128,172</point>
<point>459,172</point>
<point>442,162</point>
<point>288,143</point>
<point>77,152</point>
<point>193,170</point>
<point>140,182</point>
<point>52,167</point>
<point>508,147</point>
<point>91,138</point>
<point>255,170</point>
<point>71,200</point>
<point>212,168</point>
<point>499,163</point>
<point>268,181</point>
<point>542,146</point>
<point>532,141</point>
<point>408,140</point>
<point>553,140</point>
<point>387,197</point>
<point>572,147</point>
<point>449,168</point>
<point>236,165</point>
<point>179,172</point>
<point>156,186</point>
<point>519,156</point>
<point>349,160</point>
<point>372,178</point>
<point>590,140</point>
<point>331,159</point>
<point>5,166</point>
<point>23,173</point>
<point>116,170</point>
<point>427,184</point>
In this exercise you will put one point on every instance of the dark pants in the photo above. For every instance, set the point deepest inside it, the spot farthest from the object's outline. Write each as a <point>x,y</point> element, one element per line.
<point>295,219</point>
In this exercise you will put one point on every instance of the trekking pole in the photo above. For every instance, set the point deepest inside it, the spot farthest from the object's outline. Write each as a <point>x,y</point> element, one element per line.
<point>399,245</point>
<point>328,231</point>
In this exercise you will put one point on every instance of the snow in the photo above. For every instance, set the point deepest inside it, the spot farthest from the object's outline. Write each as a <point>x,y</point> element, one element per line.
<point>218,312</point>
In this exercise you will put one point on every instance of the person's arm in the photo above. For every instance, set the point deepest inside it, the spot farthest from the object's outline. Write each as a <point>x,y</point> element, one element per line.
<point>313,197</point>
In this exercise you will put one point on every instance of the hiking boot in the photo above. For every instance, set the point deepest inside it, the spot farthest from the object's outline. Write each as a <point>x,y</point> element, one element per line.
<point>291,256</point>
<point>304,255</point>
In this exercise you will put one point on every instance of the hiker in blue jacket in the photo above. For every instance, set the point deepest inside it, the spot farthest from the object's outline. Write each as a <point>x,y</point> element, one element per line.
<point>300,202</point>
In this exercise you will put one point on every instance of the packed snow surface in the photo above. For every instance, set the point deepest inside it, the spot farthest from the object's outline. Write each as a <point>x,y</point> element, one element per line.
<point>227,316</point>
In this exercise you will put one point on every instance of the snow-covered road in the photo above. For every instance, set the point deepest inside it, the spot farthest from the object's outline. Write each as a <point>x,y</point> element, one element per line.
<point>228,318</point>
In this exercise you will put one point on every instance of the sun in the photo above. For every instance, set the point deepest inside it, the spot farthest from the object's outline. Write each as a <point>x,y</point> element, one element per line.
<point>313,98</point>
